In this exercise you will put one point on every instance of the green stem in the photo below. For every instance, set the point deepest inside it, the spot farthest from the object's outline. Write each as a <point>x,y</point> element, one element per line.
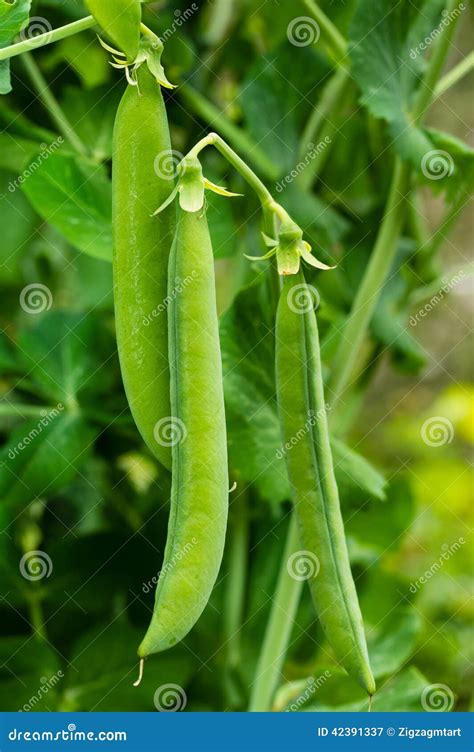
<point>18,410</point>
<point>238,138</point>
<point>27,45</point>
<point>435,66</point>
<point>454,75</point>
<point>327,28</point>
<point>50,102</point>
<point>237,579</point>
<point>383,254</point>
<point>381,260</point>
<point>330,98</point>
<point>279,626</point>
<point>36,616</point>
<point>336,95</point>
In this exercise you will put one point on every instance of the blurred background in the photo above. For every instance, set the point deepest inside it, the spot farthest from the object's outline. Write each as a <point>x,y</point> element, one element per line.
<point>84,505</point>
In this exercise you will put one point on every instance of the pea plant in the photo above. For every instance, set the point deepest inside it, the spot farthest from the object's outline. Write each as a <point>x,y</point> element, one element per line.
<point>218,228</point>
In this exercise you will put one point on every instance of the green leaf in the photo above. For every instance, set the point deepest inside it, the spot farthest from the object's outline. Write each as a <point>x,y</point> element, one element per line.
<point>13,17</point>
<point>42,456</point>
<point>30,677</point>
<point>357,479</point>
<point>75,196</point>
<point>92,115</point>
<point>64,355</point>
<point>16,234</point>
<point>448,165</point>
<point>395,642</point>
<point>101,672</point>
<point>249,387</point>
<point>387,63</point>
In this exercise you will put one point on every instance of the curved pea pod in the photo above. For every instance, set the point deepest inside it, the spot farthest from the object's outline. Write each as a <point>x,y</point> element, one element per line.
<point>199,493</point>
<point>120,19</point>
<point>305,438</point>
<point>142,246</point>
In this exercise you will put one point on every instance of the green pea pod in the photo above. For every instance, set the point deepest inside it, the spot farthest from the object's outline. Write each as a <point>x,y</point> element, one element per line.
<point>310,468</point>
<point>199,493</point>
<point>142,245</point>
<point>120,19</point>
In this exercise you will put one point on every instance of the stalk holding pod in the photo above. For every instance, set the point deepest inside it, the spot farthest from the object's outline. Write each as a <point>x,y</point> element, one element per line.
<point>310,469</point>
<point>120,19</point>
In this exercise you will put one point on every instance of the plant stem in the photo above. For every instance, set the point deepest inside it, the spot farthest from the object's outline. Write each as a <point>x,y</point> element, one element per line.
<point>335,95</point>
<point>435,66</point>
<point>52,105</point>
<point>36,616</point>
<point>18,410</point>
<point>27,45</point>
<point>238,138</point>
<point>333,35</point>
<point>383,254</point>
<point>279,626</point>
<point>454,75</point>
<point>329,100</point>
<point>235,595</point>
<point>50,102</point>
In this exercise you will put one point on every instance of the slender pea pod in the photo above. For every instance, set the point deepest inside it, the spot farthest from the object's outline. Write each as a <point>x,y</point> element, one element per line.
<point>310,468</point>
<point>199,494</point>
<point>142,246</point>
<point>120,19</point>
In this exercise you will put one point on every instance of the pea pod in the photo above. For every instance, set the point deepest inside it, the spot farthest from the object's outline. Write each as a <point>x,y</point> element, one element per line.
<point>120,19</point>
<point>199,494</point>
<point>142,245</point>
<point>305,436</point>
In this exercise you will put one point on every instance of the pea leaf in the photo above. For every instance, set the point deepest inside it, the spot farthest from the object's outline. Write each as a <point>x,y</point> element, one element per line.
<point>30,677</point>
<point>75,197</point>
<point>13,17</point>
<point>357,479</point>
<point>448,165</point>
